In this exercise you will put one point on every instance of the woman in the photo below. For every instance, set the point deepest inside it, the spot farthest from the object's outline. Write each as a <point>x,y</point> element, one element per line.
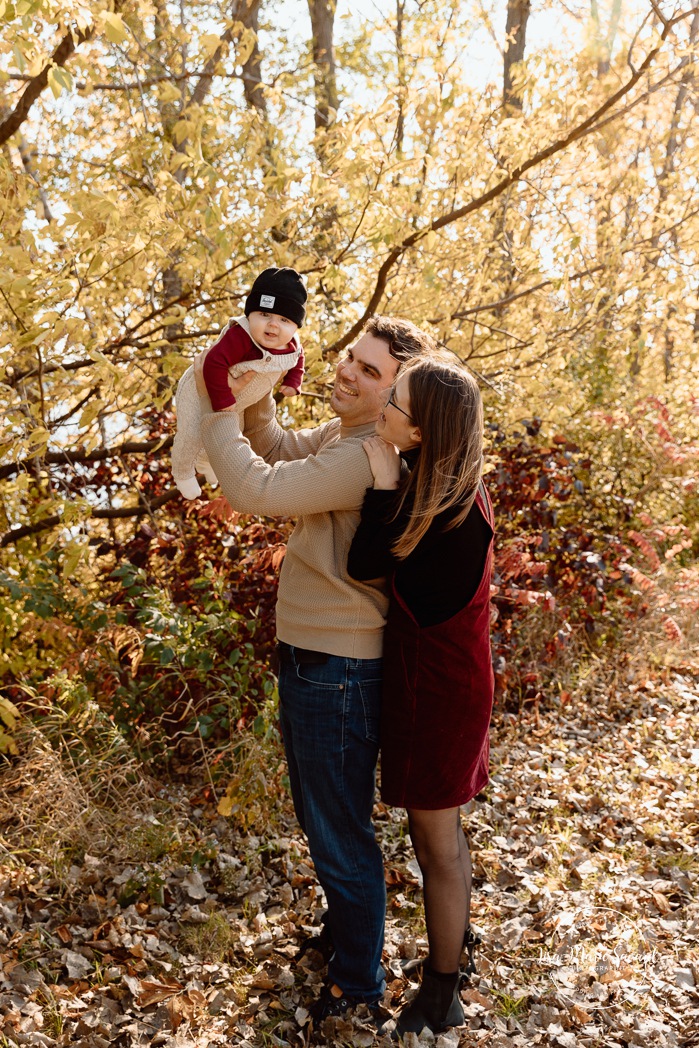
<point>427,525</point>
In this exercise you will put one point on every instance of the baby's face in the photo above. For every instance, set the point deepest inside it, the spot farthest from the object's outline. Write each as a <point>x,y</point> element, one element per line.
<point>271,330</point>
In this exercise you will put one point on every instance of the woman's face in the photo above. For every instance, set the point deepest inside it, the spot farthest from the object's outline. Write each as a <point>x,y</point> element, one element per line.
<point>394,423</point>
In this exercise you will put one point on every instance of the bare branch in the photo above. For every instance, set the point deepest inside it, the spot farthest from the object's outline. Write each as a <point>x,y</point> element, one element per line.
<point>580,131</point>
<point>143,510</point>
<point>498,331</point>
<point>12,310</point>
<point>69,412</point>
<point>37,84</point>
<point>659,14</point>
<point>590,271</point>
<point>355,232</point>
<point>70,458</point>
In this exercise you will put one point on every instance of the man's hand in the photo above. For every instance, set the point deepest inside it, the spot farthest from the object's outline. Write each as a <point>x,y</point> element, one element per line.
<point>384,460</point>
<point>237,385</point>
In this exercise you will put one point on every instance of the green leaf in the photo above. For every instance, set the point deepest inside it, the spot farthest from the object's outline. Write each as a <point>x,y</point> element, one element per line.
<point>72,556</point>
<point>54,82</point>
<point>9,713</point>
<point>8,744</point>
<point>114,27</point>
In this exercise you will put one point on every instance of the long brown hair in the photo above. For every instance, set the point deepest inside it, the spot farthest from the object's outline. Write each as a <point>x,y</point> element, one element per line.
<point>445,404</point>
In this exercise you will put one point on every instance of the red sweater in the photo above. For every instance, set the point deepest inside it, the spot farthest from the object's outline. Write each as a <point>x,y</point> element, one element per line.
<point>234,347</point>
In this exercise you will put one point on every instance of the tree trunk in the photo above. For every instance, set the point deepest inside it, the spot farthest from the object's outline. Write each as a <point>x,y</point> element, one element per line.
<point>322,14</point>
<point>248,14</point>
<point>402,86</point>
<point>664,183</point>
<point>674,137</point>
<point>516,29</point>
<point>605,42</point>
<point>669,348</point>
<point>506,216</point>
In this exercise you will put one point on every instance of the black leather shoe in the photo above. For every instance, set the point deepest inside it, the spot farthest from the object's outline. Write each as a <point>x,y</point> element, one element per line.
<point>328,1006</point>
<point>436,1007</point>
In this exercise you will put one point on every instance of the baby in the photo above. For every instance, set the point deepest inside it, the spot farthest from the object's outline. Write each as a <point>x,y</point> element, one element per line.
<point>263,340</point>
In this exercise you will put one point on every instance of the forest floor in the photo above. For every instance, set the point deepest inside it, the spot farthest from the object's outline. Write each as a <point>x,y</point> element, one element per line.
<point>181,927</point>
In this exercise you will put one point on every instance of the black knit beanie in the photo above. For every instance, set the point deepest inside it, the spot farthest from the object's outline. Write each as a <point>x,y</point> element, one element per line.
<point>278,291</point>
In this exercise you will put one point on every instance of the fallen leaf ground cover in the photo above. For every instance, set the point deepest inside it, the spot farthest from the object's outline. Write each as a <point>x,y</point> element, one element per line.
<point>178,927</point>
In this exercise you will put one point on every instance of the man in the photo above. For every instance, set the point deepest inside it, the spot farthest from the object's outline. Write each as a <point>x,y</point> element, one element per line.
<point>330,632</point>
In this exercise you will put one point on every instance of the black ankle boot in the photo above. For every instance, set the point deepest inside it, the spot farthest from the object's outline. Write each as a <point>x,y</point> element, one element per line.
<point>437,1006</point>
<point>471,941</point>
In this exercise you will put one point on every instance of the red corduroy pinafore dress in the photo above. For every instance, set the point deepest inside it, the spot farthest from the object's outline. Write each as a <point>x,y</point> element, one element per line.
<point>437,700</point>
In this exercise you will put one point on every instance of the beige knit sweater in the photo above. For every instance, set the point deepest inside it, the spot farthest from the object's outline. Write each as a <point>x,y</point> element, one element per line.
<point>320,476</point>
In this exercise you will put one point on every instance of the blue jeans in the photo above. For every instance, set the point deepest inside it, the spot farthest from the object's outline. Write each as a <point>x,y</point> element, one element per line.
<point>330,715</point>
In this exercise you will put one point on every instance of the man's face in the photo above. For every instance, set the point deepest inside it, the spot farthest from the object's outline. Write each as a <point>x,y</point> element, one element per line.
<point>362,378</point>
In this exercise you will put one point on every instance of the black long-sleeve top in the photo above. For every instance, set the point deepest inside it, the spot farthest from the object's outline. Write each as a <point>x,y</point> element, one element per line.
<point>442,573</point>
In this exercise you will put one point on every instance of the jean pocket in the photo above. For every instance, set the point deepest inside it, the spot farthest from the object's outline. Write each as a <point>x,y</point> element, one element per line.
<point>370,692</point>
<point>321,675</point>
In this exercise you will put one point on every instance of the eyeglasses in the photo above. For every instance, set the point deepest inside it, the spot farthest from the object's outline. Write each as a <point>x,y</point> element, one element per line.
<point>393,404</point>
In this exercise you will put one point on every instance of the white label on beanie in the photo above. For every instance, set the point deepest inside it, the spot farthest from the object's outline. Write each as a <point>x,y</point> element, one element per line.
<point>266,301</point>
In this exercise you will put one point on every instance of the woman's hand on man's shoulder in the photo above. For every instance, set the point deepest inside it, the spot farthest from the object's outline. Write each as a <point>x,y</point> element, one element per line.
<point>384,460</point>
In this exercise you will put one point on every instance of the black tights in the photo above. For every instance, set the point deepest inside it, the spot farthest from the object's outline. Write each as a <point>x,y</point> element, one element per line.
<point>442,853</point>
